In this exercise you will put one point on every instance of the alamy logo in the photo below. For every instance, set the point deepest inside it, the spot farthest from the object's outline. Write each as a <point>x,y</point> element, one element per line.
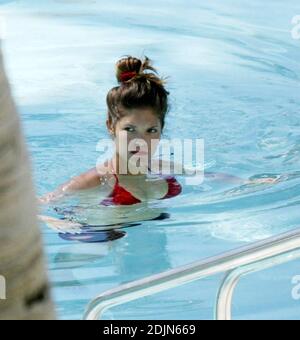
<point>296,29</point>
<point>2,288</point>
<point>296,289</point>
<point>176,156</point>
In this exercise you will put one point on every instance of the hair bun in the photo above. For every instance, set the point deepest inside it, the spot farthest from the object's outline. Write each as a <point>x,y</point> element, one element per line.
<point>127,68</point>
<point>130,67</point>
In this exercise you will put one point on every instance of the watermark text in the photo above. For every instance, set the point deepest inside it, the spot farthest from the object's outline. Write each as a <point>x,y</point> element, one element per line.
<point>296,27</point>
<point>178,157</point>
<point>296,288</point>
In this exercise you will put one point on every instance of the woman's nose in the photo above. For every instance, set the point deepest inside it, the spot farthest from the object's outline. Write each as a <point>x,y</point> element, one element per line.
<point>140,139</point>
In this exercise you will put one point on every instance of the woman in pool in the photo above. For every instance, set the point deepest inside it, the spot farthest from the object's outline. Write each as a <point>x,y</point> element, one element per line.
<point>137,110</point>
<point>137,107</point>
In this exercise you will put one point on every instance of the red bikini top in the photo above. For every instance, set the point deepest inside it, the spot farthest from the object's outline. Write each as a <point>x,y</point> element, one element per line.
<point>121,196</point>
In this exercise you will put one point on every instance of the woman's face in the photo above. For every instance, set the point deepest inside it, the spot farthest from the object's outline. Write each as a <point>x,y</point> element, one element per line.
<point>137,134</point>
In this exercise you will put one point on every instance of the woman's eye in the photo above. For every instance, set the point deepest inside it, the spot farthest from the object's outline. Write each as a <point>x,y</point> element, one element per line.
<point>129,129</point>
<point>152,131</point>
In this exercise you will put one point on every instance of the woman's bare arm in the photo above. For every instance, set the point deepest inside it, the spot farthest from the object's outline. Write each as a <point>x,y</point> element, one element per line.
<point>172,166</point>
<point>238,180</point>
<point>87,180</point>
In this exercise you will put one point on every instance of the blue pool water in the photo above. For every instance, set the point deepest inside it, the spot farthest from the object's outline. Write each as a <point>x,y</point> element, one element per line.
<point>235,74</point>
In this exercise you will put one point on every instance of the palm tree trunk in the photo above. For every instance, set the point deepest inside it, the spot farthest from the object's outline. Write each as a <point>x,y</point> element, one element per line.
<point>22,265</point>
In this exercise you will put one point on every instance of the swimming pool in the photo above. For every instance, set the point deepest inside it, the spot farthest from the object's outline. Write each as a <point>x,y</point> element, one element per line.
<point>234,82</point>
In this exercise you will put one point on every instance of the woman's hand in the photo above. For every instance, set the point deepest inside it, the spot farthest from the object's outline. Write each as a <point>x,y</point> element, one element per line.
<point>44,199</point>
<point>268,180</point>
<point>49,198</point>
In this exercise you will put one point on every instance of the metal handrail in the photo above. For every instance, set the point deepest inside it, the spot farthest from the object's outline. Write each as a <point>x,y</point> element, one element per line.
<point>237,263</point>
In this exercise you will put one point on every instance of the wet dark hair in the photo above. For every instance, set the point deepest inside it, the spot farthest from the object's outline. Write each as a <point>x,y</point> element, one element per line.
<point>137,89</point>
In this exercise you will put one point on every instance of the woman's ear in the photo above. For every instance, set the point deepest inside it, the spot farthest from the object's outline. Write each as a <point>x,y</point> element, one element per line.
<point>110,127</point>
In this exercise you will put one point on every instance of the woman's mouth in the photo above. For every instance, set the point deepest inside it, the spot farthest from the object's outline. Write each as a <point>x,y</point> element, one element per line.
<point>139,153</point>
